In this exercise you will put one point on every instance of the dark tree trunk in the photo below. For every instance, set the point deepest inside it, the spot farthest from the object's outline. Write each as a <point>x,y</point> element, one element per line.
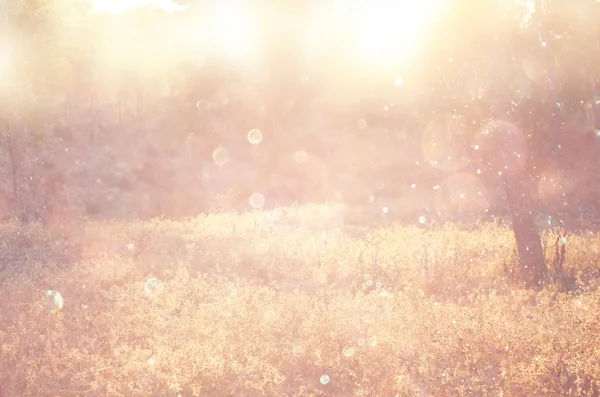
<point>532,267</point>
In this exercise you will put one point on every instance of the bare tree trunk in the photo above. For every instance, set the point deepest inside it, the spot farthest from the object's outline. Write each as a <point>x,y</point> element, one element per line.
<point>532,268</point>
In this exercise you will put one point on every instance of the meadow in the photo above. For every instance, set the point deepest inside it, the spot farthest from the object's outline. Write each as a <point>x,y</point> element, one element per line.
<point>291,302</point>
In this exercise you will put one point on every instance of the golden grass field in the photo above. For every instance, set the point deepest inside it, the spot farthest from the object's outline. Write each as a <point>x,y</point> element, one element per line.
<point>290,302</point>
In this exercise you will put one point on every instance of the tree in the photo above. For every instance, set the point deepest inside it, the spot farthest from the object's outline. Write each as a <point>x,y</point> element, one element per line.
<point>29,57</point>
<point>524,81</point>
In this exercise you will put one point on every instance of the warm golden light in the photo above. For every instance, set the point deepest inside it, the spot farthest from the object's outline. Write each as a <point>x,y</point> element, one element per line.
<point>231,31</point>
<point>390,31</point>
<point>119,6</point>
<point>381,32</point>
<point>6,65</point>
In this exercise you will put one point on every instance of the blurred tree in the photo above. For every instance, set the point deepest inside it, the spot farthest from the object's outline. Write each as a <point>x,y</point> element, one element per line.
<point>518,72</point>
<point>29,56</point>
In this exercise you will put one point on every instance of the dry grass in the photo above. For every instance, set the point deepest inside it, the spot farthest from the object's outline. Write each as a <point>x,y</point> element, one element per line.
<point>277,303</point>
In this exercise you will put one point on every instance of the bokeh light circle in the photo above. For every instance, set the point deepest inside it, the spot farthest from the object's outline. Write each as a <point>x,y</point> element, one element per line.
<point>219,100</point>
<point>255,136</point>
<point>54,300</point>
<point>153,287</point>
<point>220,156</point>
<point>203,106</point>
<point>256,201</point>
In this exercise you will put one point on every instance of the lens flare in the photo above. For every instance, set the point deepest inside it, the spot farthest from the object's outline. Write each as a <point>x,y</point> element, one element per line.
<point>257,201</point>
<point>153,287</point>
<point>255,136</point>
<point>220,156</point>
<point>54,300</point>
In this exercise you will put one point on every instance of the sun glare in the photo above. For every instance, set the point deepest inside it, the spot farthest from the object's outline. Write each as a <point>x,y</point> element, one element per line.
<point>120,6</point>
<point>383,32</point>
<point>6,65</point>
<point>231,31</point>
<point>390,31</point>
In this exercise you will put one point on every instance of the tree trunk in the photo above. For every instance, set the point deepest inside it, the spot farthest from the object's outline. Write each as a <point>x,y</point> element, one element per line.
<point>532,267</point>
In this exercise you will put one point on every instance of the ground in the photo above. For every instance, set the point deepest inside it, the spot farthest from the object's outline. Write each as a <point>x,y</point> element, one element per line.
<point>290,302</point>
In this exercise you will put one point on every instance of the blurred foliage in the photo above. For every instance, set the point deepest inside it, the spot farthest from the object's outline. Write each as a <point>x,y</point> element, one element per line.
<point>493,60</point>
